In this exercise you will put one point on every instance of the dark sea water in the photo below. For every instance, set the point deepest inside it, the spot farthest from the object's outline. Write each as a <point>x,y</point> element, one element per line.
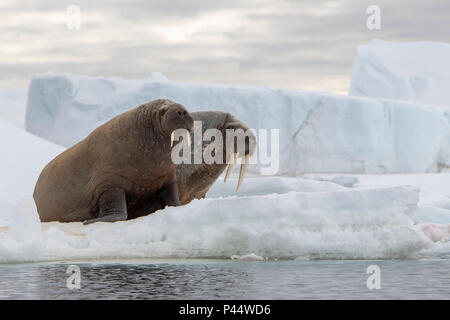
<point>201,279</point>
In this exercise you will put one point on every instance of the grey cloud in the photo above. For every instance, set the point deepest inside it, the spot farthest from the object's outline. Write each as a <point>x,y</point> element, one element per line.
<point>291,47</point>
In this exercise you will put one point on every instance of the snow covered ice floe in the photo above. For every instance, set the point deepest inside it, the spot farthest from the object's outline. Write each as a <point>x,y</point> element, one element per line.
<point>352,224</point>
<point>22,158</point>
<point>410,71</point>
<point>248,257</point>
<point>434,203</point>
<point>255,186</point>
<point>332,133</point>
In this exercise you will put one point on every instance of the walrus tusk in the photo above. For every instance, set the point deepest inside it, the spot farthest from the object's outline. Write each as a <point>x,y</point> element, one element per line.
<point>188,138</point>
<point>244,166</point>
<point>172,136</point>
<point>230,166</point>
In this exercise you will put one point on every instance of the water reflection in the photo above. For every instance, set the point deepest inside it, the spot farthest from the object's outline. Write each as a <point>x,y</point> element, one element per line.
<point>229,280</point>
<point>121,281</point>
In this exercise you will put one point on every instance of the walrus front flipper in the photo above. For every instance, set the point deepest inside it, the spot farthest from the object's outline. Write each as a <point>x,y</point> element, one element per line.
<point>112,206</point>
<point>169,195</point>
<point>166,196</point>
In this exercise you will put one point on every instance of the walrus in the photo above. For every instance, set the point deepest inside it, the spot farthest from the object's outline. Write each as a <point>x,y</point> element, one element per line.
<point>195,180</point>
<point>110,175</point>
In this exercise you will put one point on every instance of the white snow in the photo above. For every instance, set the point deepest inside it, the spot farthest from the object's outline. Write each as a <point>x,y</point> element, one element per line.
<point>354,224</point>
<point>256,186</point>
<point>410,71</point>
<point>319,132</point>
<point>434,204</point>
<point>13,104</point>
<point>23,156</point>
<point>248,257</point>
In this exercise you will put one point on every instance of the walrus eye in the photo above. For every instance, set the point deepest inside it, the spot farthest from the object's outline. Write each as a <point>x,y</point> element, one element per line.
<point>163,111</point>
<point>179,113</point>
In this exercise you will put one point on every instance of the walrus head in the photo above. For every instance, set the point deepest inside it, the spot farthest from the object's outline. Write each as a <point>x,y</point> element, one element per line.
<point>239,150</point>
<point>194,180</point>
<point>174,116</point>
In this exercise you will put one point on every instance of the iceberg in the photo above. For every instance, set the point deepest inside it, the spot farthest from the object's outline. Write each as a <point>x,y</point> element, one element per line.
<point>318,132</point>
<point>410,71</point>
<point>13,104</point>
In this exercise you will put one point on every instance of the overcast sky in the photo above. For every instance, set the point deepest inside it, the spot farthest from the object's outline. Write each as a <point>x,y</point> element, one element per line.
<point>283,43</point>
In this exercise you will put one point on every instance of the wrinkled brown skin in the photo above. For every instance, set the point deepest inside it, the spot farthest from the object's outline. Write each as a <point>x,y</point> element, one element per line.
<point>110,175</point>
<point>194,180</point>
